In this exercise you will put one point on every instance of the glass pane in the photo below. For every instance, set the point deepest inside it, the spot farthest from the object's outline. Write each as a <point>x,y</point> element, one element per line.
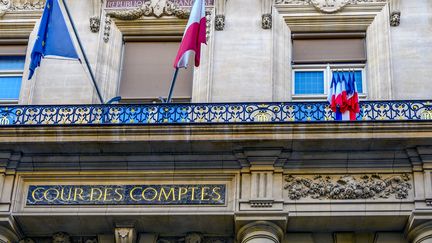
<point>12,62</point>
<point>10,87</point>
<point>358,80</point>
<point>309,82</point>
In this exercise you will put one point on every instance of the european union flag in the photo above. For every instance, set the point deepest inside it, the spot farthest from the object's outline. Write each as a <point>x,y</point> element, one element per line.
<point>53,37</point>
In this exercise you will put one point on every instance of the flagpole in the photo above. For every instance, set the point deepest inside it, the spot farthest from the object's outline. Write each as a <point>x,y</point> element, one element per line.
<point>172,85</point>
<point>83,52</point>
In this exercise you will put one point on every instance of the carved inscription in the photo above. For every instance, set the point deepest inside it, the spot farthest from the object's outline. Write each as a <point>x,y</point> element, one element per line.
<point>126,195</point>
<point>348,187</point>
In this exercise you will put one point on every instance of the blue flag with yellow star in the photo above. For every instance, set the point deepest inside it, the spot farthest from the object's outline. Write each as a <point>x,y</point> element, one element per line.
<point>53,37</point>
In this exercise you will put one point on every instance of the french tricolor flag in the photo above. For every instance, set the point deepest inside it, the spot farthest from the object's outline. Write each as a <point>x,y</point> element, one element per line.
<point>193,37</point>
<point>343,96</point>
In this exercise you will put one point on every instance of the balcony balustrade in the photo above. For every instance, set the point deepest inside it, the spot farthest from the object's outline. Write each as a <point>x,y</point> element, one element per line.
<point>207,113</point>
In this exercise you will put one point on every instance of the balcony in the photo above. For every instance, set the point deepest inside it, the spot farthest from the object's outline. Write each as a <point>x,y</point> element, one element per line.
<point>208,113</point>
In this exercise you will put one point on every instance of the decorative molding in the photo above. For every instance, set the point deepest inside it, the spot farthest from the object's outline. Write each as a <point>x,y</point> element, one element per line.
<point>266,21</point>
<point>94,24</point>
<point>219,22</point>
<point>261,203</point>
<point>61,237</point>
<point>429,202</point>
<point>327,6</point>
<point>395,18</point>
<point>153,8</point>
<point>348,187</point>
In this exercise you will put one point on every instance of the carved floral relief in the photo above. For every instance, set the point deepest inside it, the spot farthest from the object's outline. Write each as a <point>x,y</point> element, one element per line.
<point>348,187</point>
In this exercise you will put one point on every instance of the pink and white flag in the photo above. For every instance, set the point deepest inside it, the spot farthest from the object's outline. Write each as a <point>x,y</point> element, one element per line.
<point>193,37</point>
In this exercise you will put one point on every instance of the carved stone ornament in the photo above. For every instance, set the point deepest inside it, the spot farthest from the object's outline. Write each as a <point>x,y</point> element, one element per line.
<point>153,8</point>
<point>193,238</point>
<point>18,5</point>
<point>348,187</point>
<point>26,240</point>
<point>4,6</point>
<point>219,22</point>
<point>94,24</point>
<point>395,18</point>
<point>326,6</point>
<point>61,237</point>
<point>107,28</point>
<point>266,21</point>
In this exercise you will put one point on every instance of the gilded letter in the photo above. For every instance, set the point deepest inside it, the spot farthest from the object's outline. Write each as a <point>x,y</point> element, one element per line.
<point>193,193</point>
<point>204,193</point>
<point>149,199</point>
<point>53,199</point>
<point>131,193</point>
<point>34,196</point>
<point>107,189</point>
<point>182,191</point>
<point>92,192</point>
<point>216,191</point>
<point>171,191</point>
<point>76,194</point>
<point>62,194</point>
<point>119,194</point>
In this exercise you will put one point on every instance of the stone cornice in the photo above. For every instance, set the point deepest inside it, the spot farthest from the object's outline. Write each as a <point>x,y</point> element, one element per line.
<point>220,132</point>
<point>306,18</point>
<point>18,24</point>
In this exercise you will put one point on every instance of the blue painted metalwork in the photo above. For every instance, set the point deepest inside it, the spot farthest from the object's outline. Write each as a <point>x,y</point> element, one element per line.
<point>230,113</point>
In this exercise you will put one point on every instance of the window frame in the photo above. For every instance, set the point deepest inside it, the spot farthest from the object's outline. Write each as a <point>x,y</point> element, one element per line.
<point>328,70</point>
<point>150,100</point>
<point>12,73</point>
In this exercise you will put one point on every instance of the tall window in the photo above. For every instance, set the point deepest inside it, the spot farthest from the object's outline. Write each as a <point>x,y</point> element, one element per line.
<point>316,56</point>
<point>148,70</point>
<point>12,59</point>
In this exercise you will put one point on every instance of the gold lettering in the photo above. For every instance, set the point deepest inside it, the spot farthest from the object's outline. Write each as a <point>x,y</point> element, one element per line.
<point>120,195</point>
<point>34,194</point>
<point>182,191</point>
<point>53,199</point>
<point>193,193</point>
<point>203,193</point>
<point>76,194</point>
<point>106,193</point>
<point>62,194</point>
<point>132,191</point>
<point>215,191</point>
<point>92,192</point>
<point>144,194</point>
<point>171,191</point>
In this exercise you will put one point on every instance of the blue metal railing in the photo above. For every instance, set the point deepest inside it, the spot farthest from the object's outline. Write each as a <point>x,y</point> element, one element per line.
<point>230,113</point>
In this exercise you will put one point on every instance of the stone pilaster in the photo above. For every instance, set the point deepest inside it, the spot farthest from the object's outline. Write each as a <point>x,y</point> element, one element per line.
<point>261,179</point>
<point>260,232</point>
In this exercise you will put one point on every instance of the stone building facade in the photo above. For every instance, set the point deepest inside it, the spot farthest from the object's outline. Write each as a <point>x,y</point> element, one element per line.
<point>248,153</point>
